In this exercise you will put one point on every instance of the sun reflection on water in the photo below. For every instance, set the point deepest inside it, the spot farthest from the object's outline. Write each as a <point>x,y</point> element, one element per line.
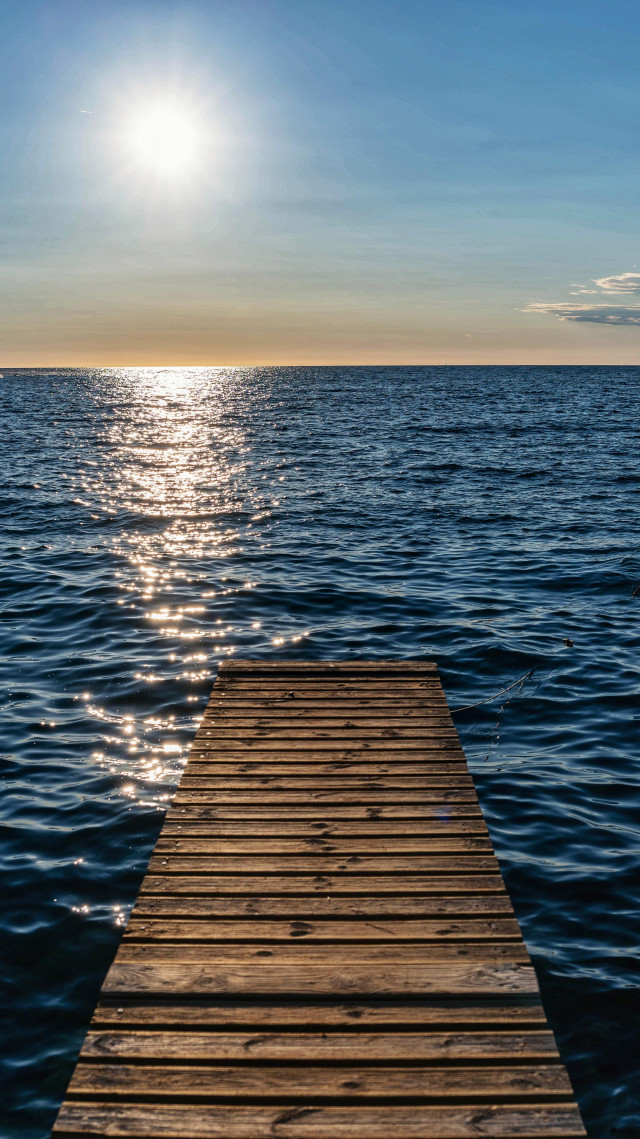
<point>171,488</point>
<point>167,485</point>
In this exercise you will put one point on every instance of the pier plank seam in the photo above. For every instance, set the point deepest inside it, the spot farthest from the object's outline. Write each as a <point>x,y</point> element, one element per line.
<point>322,946</point>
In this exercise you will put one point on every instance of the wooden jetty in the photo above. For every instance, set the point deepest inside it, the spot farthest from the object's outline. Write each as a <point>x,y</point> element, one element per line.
<point>323,946</point>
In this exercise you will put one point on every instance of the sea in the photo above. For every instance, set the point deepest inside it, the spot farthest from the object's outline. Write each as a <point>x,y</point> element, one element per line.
<point>156,521</point>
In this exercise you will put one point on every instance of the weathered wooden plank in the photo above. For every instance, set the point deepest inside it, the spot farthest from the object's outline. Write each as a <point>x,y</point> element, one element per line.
<point>337,673</point>
<point>338,828</point>
<point>281,675</point>
<point>337,702</point>
<point>323,689</point>
<point>387,667</point>
<point>296,754</point>
<point>424,699</point>
<point>231,730</point>
<point>147,930</point>
<point>251,714</point>
<point>525,1083</point>
<point>348,677</point>
<point>349,954</point>
<point>274,737</point>
<point>290,688</point>
<point>449,1016</point>
<point>310,763</point>
<point>362,725</point>
<point>266,796</point>
<point>321,883</point>
<point>204,763</point>
<point>368,682</point>
<point>464,978</point>
<point>321,863</point>
<point>356,783</point>
<point>267,751</point>
<point>468,809</point>
<point>308,908</point>
<point>386,846</point>
<point>379,705</point>
<point>318,1122</point>
<point>534,1046</point>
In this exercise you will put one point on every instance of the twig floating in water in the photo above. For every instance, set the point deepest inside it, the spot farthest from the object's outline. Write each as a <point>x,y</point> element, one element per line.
<point>466,707</point>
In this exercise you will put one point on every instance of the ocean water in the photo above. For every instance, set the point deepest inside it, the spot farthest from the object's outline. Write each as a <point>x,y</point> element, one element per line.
<point>156,521</point>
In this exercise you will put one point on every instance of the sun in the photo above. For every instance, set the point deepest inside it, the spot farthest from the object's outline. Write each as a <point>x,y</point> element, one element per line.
<point>164,139</point>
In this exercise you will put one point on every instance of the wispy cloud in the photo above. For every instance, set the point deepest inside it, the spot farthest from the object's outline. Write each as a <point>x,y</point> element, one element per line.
<point>595,313</point>
<point>589,314</point>
<point>623,283</point>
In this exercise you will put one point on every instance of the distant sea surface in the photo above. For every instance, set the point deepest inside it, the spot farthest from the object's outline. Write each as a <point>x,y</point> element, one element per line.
<point>156,521</point>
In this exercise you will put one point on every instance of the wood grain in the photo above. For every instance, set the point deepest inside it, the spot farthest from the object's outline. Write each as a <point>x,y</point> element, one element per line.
<point>350,955</point>
<point>462,979</point>
<point>202,763</point>
<point>326,844</point>
<point>322,863</point>
<point>155,1121</point>
<point>444,1016</point>
<point>521,1083</point>
<point>359,797</point>
<point>469,809</point>
<point>291,718</point>
<point>381,829</point>
<point>320,883</point>
<point>305,931</point>
<point>322,945</point>
<point>322,1047</point>
<point>355,784</point>
<point>381,907</point>
<point>293,752</point>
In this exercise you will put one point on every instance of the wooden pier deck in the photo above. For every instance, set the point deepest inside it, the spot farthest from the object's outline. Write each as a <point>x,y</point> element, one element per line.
<point>322,946</point>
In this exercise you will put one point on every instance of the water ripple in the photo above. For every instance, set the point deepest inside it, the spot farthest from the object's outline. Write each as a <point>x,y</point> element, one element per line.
<point>157,521</point>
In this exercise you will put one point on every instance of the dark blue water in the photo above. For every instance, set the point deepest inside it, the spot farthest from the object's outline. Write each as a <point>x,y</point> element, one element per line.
<point>157,521</point>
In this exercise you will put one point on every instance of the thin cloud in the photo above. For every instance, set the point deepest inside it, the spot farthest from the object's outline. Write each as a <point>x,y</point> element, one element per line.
<point>622,283</point>
<point>589,314</point>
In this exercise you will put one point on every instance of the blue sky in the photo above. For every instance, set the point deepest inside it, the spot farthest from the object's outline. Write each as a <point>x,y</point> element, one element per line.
<point>396,182</point>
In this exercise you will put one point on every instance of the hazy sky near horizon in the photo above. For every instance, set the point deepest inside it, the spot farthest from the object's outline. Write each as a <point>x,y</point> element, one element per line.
<point>311,181</point>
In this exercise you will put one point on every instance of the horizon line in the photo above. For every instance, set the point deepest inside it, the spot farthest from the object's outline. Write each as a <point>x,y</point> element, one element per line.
<point>346,364</point>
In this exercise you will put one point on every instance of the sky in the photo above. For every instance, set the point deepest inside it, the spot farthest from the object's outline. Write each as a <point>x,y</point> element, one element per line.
<point>314,182</point>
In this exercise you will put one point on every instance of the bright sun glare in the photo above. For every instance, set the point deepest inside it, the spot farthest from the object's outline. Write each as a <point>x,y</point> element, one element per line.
<point>165,139</point>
